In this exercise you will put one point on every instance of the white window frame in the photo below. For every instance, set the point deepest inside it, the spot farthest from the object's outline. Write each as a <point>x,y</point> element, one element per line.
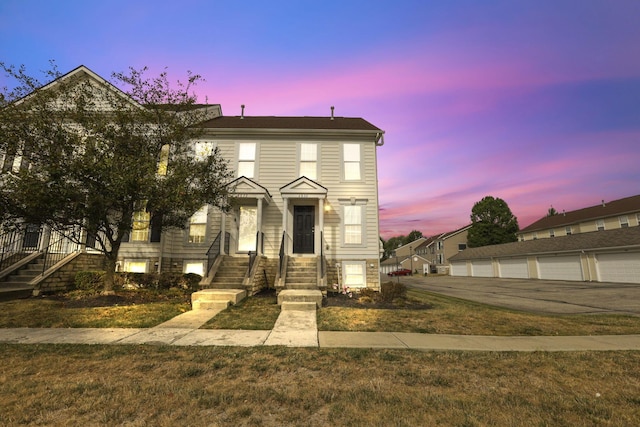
<point>203,149</point>
<point>139,266</point>
<point>247,164</point>
<point>638,218</point>
<point>198,221</point>
<point>440,259</point>
<point>351,165</point>
<point>308,157</point>
<point>193,266</point>
<point>624,221</point>
<point>552,233</point>
<point>141,225</point>
<point>345,224</point>
<point>600,225</point>
<point>568,231</point>
<point>353,280</point>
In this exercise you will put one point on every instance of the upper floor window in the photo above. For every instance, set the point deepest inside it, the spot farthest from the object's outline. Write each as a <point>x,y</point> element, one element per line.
<point>462,246</point>
<point>638,218</point>
<point>352,224</point>
<point>552,233</point>
<point>440,259</point>
<point>203,149</point>
<point>535,236</point>
<point>624,221</point>
<point>163,162</point>
<point>308,163</point>
<point>568,230</point>
<point>351,159</point>
<point>600,224</point>
<point>141,223</point>
<point>440,245</point>
<point>246,159</point>
<point>198,226</point>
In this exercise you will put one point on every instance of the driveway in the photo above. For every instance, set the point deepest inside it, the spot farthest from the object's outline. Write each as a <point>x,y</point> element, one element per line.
<point>538,296</point>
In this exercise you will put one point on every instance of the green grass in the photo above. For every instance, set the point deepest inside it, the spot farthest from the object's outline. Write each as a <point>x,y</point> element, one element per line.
<point>61,385</point>
<point>449,315</point>
<point>138,309</point>
<point>254,313</point>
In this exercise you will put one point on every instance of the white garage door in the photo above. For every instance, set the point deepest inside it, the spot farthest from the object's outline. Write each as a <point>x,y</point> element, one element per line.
<point>560,268</point>
<point>458,268</point>
<point>514,268</point>
<point>621,268</point>
<point>481,269</point>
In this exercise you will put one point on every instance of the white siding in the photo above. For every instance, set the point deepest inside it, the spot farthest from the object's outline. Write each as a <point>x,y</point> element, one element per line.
<point>620,267</point>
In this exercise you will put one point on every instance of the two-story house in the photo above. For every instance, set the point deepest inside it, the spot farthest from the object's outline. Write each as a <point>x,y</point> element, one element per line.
<point>304,205</point>
<point>611,215</point>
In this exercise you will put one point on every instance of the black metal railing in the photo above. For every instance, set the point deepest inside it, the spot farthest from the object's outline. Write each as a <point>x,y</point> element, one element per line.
<point>17,244</point>
<point>323,259</point>
<point>281,253</point>
<point>59,250</point>
<point>214,249</point>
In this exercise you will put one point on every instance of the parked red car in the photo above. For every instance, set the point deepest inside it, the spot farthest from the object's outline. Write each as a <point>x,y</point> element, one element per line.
<point>401,272</point>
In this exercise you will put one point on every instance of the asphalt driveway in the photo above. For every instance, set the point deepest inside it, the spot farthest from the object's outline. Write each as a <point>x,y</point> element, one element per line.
<point>538,296</point>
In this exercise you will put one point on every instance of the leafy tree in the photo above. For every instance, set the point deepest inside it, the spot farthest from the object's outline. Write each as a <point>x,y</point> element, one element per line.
<point>552,211</point>
<point>413,236</point>
<point>92,155</point>
<point>492,223</point>
<point>395,242</point>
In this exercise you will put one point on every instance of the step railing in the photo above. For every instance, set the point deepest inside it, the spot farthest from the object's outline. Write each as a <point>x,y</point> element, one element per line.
<point>60,249</point>
<point>281,254</point>
<point>17,244</point>
<point>214,249</point>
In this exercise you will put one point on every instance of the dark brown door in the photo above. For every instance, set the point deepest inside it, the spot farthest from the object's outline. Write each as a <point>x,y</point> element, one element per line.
<point>303,223</point>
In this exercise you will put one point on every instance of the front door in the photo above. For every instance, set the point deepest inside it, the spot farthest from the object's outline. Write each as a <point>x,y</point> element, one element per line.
<point>303,228</point>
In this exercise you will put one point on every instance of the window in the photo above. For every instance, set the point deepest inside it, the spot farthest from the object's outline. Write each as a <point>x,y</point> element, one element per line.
<point>246,159</point>
<point>440,245</point>
<point>600,224</point>
<point>535,236</point>
<point>462,246</point>
<point>163,163</point>
<point>198,226</point>
<point>135,266</point>
<point>141,223</point>
<point>568,230</point>
<point>440,259</point>
<point>624,221</point>
<point>194,267</point>
<point>353,225</point>
<point>308,165</point>
<point>638,218</point>
<point>203,149</point>
<point>351,159</point>
<point>353,274</point>
<point>552,233</point>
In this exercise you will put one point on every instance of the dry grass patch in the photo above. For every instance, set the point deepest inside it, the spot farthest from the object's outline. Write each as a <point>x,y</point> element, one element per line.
<point>448,315</point>
<point>258,312</point>
<point>126,309</point>
<point>58,385</point>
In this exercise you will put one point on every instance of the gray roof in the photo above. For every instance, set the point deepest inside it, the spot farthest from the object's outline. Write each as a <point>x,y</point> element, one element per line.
<point>608,239</point>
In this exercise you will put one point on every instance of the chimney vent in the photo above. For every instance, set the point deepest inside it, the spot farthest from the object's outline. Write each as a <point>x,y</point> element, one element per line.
<point>603,205</point>
<point>564,213</point>
<point>332,108</point>
<point>242,111</point>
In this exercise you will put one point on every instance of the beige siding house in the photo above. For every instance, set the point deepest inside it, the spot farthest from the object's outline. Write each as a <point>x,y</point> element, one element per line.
<point>621,213</point>
<point>304,207</point>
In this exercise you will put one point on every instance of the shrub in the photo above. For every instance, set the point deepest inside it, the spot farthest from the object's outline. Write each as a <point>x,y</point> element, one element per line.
<point>89,280</point>
<point>159,281</point>
<point>392,290</point>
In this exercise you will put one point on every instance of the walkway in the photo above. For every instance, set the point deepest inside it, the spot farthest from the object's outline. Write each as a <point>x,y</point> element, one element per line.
<point>298,329</point>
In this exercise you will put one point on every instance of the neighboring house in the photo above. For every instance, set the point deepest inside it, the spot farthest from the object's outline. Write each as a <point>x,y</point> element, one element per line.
<point>606,256</point>
<point>439,248</point>
<point>305,194</point>
<point>620,213</point>
<point>404,257</point>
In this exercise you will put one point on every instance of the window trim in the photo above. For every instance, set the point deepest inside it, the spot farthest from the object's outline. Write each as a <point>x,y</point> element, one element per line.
<point>363,265</point>
<point>600,225</point>
<point>299,160</point>
<point>254,161</point>
<point>624,224</point>
<point>363,222</point>
<point>343,162</point>
<point>204,210</point>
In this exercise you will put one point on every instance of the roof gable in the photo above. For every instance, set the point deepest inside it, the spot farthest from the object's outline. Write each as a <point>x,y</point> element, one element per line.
<point>303,186</point>
<point>244,187</point>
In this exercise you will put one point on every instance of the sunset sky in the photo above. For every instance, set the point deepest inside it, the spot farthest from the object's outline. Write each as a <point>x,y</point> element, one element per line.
<point>533,101</point>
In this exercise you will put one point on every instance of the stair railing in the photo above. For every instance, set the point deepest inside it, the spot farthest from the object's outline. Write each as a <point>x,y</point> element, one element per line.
<point>60,249</point>
<point>323,259</point>
<point>281,254</point>
<point>213,252</point>
<point>13,246</point>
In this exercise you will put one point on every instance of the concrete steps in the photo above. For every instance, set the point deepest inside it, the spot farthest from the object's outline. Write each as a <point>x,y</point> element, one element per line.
<point>231,273</point>
<point>16,285</point>
<point>291,297</point>
<point>301,274</point>
<point>215,299</point>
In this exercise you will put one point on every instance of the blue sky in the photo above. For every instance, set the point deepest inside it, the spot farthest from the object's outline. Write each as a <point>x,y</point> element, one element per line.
<point>535,102</point>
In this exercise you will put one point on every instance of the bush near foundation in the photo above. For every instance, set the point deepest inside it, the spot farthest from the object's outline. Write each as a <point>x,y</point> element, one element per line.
<point>93,281</point>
